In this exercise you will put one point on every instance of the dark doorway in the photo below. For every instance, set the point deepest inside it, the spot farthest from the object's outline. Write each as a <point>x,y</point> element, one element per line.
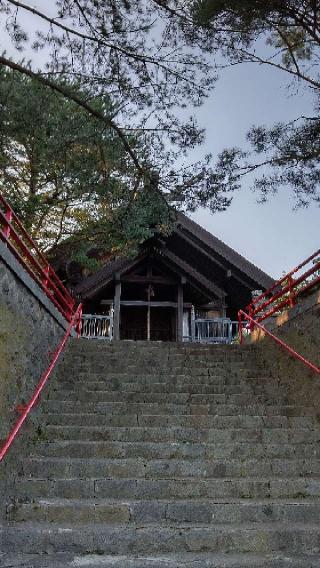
<point>162,324</point>
<point>134,323</point>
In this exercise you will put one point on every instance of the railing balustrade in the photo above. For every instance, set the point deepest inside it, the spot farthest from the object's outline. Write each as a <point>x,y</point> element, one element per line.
<point>285,292</point>
<point>28,254</point>
<point>215,330</point>
<point>97,326</point>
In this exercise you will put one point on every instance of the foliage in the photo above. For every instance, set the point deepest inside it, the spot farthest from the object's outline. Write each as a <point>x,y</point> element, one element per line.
<point>119,64</point>
<point>62,171</point>
<point>282,34</point>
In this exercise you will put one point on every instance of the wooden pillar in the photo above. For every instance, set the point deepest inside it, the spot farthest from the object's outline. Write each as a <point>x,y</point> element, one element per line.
<point>193,324</point>
<point>116,317</point>
<point>180,313</point>
<point>149,274</point>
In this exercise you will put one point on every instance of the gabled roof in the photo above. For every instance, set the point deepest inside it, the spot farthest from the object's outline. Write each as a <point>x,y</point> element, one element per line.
<point>200,238</point>
<point>97,281</point>
<point>193,273</point>
<point>237,260</point>
<point>91,285</point>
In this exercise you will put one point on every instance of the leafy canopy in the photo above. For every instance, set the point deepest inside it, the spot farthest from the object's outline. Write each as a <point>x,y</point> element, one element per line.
<point>118,64</point>
<point>65,173</point>
<point>284,35</point>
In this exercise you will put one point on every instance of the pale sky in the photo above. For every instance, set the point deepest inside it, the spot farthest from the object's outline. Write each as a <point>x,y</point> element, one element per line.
<point>272,235</point>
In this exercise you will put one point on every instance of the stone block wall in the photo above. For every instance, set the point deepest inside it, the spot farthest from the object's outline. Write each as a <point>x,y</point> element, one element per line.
<point>299,328</point>
<point>30,327</point>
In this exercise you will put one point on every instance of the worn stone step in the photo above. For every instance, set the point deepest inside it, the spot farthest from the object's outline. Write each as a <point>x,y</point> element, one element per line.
<point>216,376</point>
<point>172,387</point>
<point>161,469</point>
<point>175,450</point>
<point>83,347</point>
<point>164,512</point>
<point>267,538</point>
<point>181,560</point>
<point>175,409</point>
<point>164,362</point>
<point>246,488</point>
<point>179,354</point>
<point>157,398</point>
<point>177,428</point>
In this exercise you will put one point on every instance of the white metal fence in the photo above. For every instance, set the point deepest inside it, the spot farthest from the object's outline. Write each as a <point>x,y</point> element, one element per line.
<point>97,327</point>
<point>214,330</point>
<point>203,330</point>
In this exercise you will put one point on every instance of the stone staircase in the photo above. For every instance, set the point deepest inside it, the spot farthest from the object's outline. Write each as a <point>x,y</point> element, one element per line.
<point>167,456</point>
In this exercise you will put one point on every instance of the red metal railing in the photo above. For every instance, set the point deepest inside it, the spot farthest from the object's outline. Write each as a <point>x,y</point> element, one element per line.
<point>284,292</point>
<point>15,236</point>
<point>25,410</point>
<point>242,314</point>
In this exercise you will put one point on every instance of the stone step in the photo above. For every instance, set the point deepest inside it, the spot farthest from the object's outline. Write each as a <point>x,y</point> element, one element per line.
<point>176,351</point>
<point>137,374</point>
<point>174,450</point>
<point>171,387</point>
<point>147,408</point>
<point>163,352</point>
<point>174,428</point>
<point>267,538</point>
<point>79,345</point>
<point>164,512</point>
<point>125,468</point>
<point>168,456</point>
<point>154,398</point>
<point>177,383</point>
<point>254,488</point>
<point>181,560</point>
<point>167,360</point>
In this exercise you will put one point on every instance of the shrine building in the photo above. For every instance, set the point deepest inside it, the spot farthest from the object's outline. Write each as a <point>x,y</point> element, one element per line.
<point>156,295</point>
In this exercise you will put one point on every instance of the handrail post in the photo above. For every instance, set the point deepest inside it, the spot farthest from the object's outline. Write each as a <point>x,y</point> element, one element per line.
<point>78,326</point>
<point>45,280</point>
<point>8,216</point>
<point>291,284</point>
<point>251,322</point>
<point>240,328</point>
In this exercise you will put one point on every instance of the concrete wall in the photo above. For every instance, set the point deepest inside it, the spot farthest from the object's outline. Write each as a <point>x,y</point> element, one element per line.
<point>299,328</point>
<point>30,326</point>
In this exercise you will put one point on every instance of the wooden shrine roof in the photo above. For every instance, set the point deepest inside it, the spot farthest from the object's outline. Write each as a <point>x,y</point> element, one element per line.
<point>181,262</point>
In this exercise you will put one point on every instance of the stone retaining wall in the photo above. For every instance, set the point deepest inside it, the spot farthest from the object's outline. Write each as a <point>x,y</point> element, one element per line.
<point>30,327</point>
<point>299,328</point>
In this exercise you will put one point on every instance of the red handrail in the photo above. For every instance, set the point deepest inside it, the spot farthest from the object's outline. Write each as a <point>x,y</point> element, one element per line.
<point>292,352</point>
<point>74,323</point>
<point>291,290</point>
<point>16,238</point>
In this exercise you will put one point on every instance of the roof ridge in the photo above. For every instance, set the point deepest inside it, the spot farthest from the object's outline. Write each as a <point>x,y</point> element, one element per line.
<point>236,255</point>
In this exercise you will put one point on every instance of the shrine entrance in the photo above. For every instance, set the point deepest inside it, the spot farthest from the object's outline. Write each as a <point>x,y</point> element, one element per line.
<point>152,323</point>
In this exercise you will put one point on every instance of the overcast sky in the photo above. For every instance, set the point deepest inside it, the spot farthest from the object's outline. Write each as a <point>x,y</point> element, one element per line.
<point>272,235</point>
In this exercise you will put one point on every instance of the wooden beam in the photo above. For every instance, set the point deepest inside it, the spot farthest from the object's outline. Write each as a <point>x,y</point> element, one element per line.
<point>228,273</point>
<point>201,291</point>
<point>142,303</point>
<point>180,313</point>
<point>116,317</point>
<point>149,279</point>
